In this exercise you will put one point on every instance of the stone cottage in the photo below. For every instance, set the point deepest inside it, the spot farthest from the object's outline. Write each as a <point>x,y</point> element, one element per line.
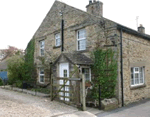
<point>81,33</point>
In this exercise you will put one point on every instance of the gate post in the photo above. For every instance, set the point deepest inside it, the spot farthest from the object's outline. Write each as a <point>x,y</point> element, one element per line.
<point>51,90</point>
<point>83,93</point>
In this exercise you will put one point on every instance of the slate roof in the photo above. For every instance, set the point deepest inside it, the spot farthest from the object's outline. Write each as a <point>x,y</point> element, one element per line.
<point>78,58</point>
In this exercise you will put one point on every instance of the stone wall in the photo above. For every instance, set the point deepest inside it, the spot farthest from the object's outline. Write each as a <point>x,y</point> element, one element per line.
<point>136,53</point>
<point>74,20</point>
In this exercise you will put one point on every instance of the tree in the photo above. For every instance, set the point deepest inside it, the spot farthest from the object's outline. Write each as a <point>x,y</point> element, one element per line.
<point>16,69</point>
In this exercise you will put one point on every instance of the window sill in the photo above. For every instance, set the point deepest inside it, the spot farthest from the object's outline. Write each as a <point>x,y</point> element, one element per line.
<point>137,87</point>
<point>56,47</point>
<point>82,51</point>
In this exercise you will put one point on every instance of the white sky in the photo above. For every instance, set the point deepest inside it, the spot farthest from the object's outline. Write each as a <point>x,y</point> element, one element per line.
<point>19,19</point>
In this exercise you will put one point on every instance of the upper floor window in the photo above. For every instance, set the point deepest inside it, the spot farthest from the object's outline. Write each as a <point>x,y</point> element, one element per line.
<point>81,39</point>
<point>57,40</point>
<point>41,75</point>
<point>42,46</point>
<point>137,76</point>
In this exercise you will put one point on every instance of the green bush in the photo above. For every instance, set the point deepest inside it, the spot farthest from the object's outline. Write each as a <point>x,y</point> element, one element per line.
<point>1,82</point>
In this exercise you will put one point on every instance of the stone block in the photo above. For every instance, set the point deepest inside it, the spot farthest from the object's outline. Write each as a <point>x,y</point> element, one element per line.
<point>109,104</point>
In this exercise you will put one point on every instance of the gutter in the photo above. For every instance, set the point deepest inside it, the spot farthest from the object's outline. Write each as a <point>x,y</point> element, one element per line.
<point>121,72</point>
<point>131,31</point>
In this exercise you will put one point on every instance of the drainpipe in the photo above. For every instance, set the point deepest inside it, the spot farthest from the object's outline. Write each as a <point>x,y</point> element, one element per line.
<point>62,35</point>
<point>121,62</point>
<point>62,32</point>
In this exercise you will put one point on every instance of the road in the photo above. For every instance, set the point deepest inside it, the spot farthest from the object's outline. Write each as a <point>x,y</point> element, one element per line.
<point>16,104</point>
<point>141,109</point>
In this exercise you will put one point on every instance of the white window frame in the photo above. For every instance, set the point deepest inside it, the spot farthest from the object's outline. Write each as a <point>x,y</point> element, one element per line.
<point>42,48</point>
<point>57,39</point>
<point>41,75</point>
<point>137,72</point>
<point>81,39</point>
<point>89,72</point>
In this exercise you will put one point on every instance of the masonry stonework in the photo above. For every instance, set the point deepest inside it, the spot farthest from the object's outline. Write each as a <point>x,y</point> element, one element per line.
<point>136,49</point>
<point>136,53</point>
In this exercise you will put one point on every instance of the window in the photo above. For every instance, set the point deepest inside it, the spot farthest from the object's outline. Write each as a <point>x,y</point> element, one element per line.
<point>57,40</point>
<point>42,46</point>
<point>81,39</point>
<point>87,73</point>
<point>41,75</point>
<point>137,76</point>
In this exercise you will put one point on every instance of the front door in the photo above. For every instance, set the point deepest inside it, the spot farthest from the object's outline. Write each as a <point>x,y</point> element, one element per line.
<point>64,72</point>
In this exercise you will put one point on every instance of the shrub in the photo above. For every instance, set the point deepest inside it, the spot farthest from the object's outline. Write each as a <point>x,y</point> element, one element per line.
<point>105,73</point>
<point>1,82</point>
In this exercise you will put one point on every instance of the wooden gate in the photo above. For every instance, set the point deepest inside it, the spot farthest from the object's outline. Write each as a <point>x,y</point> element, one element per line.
<point>68,91</point>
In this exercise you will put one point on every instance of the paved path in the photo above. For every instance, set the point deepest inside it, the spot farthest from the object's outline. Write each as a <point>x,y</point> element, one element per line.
<point>141,109</point>
<point>16,104</point>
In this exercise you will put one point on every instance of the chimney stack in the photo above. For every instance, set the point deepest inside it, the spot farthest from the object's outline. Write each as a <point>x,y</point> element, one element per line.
<point>95,8</point>
<point>141,29</point>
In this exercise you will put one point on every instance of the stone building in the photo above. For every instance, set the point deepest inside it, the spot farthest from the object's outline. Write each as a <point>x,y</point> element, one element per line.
<point>82,30</point>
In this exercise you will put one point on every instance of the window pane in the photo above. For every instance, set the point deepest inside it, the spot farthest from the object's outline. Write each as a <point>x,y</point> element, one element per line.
<point>57,39</point>
<point>42,52</point>
<point>82,45</point>
<point>41,71</point>
<point>87,76</point>
<point>86,72</point>
<point>141,80</point>
<point>136,78</point>
<point>65,73</point>
<point>42,44</point>
<point>41,78</point>
<point>136,69</point>
<point>141,75</point>
<point>57,42</point>
<point>81,34</point>
<point>132,82</point>
<point>66,88</point>
<point>141,69</point>
<point>132,70</point>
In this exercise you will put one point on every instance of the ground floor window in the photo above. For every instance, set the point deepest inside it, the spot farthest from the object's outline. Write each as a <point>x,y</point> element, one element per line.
<point>41,75</point>
<point>87,73</point>
<point>137,76</point>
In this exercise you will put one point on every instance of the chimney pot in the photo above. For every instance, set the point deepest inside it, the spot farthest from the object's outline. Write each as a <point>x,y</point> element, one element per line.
<point>141,29</point>
<point>90,1</point>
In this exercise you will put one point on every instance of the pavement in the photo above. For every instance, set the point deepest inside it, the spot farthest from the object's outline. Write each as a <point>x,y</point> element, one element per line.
<point>136,109</point>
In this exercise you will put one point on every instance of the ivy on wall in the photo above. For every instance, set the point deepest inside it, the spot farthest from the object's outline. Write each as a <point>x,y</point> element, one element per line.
<point>29,61</point>
<point>105,73</point>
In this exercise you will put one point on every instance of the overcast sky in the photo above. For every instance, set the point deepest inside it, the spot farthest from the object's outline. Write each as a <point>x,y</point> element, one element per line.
<point>19,19</point>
